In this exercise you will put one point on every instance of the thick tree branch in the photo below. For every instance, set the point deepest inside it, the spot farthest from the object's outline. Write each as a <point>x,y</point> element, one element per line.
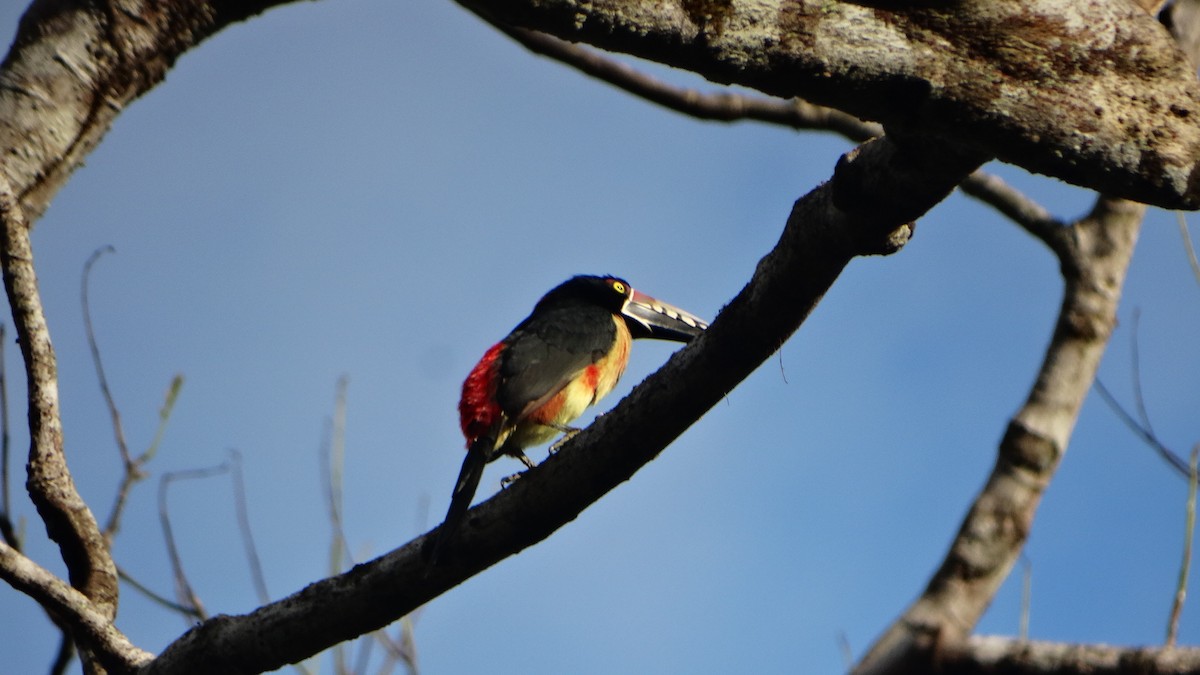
<point>827,228</point>
<point>73,67</point>
<point>1093,93</point>
<point>1002,656</point>
<point>1094,264</point>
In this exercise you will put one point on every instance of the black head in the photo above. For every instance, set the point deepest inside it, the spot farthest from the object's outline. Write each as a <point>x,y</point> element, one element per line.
<point>645,316</point>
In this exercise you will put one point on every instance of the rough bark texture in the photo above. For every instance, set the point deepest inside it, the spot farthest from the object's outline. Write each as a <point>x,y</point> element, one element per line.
<point>73,68</point>
<point>1093,93</point>
<point>1006,656</point>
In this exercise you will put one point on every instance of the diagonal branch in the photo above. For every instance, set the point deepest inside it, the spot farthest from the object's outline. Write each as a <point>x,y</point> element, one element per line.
<point>826,229</point>
<point>996,527</point>
<point>718,107</point>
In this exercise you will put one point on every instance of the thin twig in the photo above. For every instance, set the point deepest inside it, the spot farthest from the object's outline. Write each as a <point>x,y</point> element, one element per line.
<point>717,107</point>
<point>1017,207</point>
<point>334,464</point>
<point>118,431</point>
<point>243,518</point>
<point>1168,455</point>
<point>1026,596</point>
<point>1135,366</point>
<point>134,471</point>
<point>154,597</point>
<point>1186,564</point>
<point>183,588</point>
<point>164,416</point>
<point>333,459</point>
<point>728,106</point>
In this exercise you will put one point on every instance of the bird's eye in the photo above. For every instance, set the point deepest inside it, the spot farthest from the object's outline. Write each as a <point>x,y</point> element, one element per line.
<point>618,287</point>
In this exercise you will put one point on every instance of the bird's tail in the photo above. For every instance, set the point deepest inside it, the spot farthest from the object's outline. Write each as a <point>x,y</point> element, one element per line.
<point>477,458</point>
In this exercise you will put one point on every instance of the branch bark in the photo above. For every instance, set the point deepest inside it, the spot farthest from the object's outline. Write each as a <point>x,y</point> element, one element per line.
<point>1093,93</point>
<point>990,655</point>
<point>74,66</point>
<point>68,520</point>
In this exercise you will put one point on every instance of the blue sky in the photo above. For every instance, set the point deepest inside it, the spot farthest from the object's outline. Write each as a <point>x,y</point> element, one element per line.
<point>382,190</point>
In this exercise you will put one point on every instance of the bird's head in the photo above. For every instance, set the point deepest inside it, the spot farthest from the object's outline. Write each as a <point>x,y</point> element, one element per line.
<point>645,316</point>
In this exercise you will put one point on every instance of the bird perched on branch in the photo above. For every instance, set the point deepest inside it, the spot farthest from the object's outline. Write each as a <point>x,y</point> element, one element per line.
<point>568,354</point>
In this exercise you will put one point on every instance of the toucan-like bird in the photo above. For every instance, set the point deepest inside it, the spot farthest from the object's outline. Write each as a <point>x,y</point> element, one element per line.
<point>568,354</point>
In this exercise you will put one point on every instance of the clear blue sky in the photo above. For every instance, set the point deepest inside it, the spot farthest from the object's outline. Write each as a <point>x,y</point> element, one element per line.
<point>382,189</point>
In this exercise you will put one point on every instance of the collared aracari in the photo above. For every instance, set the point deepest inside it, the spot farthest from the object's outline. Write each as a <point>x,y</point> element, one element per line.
<point>567,355</point>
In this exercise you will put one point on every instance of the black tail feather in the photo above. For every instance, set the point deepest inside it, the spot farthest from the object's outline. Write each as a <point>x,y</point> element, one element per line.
<point>478,455</point>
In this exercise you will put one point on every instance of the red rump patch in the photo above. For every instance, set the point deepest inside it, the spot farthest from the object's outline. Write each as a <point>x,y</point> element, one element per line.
<point>477,409</point>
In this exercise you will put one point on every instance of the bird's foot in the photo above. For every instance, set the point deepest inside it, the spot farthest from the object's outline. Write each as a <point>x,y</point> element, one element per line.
<point>509,480</point>
<point>568,434</point>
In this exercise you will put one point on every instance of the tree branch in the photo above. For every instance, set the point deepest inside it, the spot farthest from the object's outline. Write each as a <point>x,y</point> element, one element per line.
<point>960,72</point>
<point>88,620</point>
<point>86,61</point>
<point>989,655</point>
<point>68,520</point>
<point>826,229</point>
<point>996,527</point>
<point>719,107</point>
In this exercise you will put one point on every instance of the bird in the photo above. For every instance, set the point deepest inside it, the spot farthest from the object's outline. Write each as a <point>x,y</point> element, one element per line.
<point>564,357</point>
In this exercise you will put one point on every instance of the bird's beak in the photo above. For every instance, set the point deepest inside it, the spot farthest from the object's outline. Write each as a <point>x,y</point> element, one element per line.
<point>648,317</point>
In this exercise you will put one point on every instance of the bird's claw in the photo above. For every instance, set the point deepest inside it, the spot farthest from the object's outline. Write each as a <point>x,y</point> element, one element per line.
<point>509,480</point>
<point>568,434</point>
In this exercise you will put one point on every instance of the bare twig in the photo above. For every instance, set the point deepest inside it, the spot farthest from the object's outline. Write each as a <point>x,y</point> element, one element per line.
<point>1167,455</point>
<point>718,107</point>
<point>1135,366</point>
<point>187,612</point>
<point>243,518</point>
<point>132,472</point>
<point>164,416</point>
<point>1185,565</point>
<point>183,588</point>
<point>118,431</point>
<point>729,106</point>
<point>1028,214</point>
<point>333,468</point>
<point>1026,596</point>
